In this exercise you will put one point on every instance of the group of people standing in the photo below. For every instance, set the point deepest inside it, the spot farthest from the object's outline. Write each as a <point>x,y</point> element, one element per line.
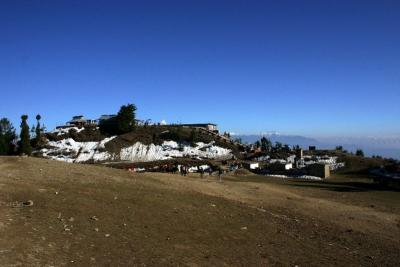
<point>184,170</point>
<point>210,172</point>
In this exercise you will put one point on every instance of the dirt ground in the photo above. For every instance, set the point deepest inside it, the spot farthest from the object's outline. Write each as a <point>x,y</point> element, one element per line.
<point>85,215</point>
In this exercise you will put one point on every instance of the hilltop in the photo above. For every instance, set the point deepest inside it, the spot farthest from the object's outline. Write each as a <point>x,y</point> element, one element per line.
<point>145,143</point>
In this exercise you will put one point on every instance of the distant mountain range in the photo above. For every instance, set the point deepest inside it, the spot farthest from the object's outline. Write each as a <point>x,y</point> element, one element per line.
<point>285,139</point>
<point>386,147</point>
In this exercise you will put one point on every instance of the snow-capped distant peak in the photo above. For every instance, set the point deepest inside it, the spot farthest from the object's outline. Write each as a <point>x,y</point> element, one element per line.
<point>271,133</point>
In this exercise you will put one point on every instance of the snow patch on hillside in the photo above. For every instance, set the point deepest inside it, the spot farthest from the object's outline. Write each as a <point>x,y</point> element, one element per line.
<point>171,149</point>
<point>71,151</point>
<point>63,131</point>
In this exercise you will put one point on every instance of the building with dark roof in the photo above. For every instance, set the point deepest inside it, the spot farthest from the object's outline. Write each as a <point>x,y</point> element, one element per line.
<point>80,121</point>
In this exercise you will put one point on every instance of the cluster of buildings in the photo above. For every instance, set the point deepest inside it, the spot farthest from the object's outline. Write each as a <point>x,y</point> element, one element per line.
<point>80,121</point>
<point>297,164</point>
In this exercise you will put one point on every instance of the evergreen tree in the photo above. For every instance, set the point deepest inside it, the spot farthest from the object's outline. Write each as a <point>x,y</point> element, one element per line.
<point>360,153</point>
<point>25,142</point>
<point>33,130</point>
<point>265,144</point>
<point>286,148</point>
<point>227,135</point>
<point>238,140</point>
<point>278,146</point>
<point>38,128</point>
<point>7,137</point>
<point>126,118</point>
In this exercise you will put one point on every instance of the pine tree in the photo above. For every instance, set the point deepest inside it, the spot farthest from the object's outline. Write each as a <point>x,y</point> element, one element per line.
<point>286,148</point>
<point>38,128</point>
<point>238,140</point>
<point>126,118</point>
<point>265,144</point>
<point>278,146</point>
<point>339,148</point>
<point>7,137</point>
<point>25,142</point>
<point>360,153</point>
<point>33,130</point>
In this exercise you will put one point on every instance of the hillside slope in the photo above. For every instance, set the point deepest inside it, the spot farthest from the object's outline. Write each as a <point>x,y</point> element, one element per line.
<point>85,215</point>
<point>144,144</point>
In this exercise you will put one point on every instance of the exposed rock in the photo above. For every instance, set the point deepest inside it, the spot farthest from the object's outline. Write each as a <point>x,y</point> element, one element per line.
<point>94,218</point>
<point>28,203</point>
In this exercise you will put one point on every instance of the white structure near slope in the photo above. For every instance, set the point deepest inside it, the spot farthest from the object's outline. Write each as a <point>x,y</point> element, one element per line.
<point>254,166</point>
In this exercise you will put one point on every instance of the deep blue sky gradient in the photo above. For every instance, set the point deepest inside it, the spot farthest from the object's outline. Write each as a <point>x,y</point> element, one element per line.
<point>300,67</point>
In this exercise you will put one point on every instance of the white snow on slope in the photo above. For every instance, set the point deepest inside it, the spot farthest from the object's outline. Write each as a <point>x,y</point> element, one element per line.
<point>170,149</point>
<point>62,131</point>
<point>71,151</point>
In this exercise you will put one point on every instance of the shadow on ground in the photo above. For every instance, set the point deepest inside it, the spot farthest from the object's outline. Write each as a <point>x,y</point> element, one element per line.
<point>354,184</point>
<point>345,186</point>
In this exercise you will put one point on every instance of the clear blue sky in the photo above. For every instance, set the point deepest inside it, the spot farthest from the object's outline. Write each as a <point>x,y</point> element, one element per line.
<point>301,67</point>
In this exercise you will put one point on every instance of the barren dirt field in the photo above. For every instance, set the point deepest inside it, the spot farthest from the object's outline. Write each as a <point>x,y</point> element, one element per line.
<point>84,215</point>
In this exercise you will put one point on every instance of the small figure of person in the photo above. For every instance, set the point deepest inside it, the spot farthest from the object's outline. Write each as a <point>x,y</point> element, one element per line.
<point>184,170</point>
<point>220,172</point>
<point>201,172</point>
